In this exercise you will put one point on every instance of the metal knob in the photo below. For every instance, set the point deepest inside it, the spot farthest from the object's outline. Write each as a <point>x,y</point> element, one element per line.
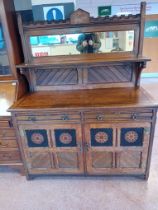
<point>32,119</point>
<point>65,117</point>
<point>134,116</point>
<point>100,117</point>
<point>79,146</point>
<point>147,130</point>
<point>87,146</point>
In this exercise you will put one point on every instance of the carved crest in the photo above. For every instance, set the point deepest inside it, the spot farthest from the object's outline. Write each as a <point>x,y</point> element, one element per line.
<point>79,16</point>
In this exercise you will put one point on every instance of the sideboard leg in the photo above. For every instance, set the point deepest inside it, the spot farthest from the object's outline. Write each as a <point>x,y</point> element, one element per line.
<point>29,177</point>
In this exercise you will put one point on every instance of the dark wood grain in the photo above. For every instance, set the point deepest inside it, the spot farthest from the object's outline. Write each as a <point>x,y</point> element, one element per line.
<point>54,100</point>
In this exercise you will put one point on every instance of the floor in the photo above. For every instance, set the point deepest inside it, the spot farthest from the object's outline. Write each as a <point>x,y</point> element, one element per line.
<point>80,193</point>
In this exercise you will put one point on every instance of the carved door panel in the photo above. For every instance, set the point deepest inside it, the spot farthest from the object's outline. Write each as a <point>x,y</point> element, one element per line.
<point>132,144</point>
<point>53,149</point>
<point>100,143</point>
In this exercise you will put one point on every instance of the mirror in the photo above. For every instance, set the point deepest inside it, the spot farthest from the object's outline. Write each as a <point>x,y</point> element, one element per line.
<point>4,61</point>
<point>74,44</point>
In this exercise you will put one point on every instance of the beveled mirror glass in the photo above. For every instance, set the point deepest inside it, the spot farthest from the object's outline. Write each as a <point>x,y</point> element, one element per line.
<point>74,44</point>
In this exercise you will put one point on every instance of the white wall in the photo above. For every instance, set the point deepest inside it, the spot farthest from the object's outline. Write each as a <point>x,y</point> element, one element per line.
<point>89,5</point>
<point>37,2</point>
<point>90,2</point>
<point>92,6</point>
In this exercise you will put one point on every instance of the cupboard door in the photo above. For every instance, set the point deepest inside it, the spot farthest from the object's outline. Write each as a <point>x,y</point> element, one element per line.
<point>53,149</point>
<point>35,144</point>
<point>100,143</point>
<point>133,143</point>
<point>67,148</point>
<point>120,148</point>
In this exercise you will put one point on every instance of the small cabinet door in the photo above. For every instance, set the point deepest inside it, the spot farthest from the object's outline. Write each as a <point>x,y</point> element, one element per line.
<point>100,143</point>
<point>132,144</point>
<point>53,149</point>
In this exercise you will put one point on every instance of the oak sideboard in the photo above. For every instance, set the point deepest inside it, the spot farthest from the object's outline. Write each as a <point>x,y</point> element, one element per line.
<point>85,112</point>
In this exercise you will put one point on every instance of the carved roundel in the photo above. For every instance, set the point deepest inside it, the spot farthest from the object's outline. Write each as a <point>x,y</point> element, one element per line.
<point>101,137</point>
<point>65,138</point>
<point>37,138</point>
<point>131,136</point>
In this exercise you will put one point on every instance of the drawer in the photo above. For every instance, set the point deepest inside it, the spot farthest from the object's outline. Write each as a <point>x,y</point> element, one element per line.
<point>145,114</point>
<point>9,156</point>
<point>62,117</point>
<point>8,144</point>
<point>7,133</point>
<point>5,124</point>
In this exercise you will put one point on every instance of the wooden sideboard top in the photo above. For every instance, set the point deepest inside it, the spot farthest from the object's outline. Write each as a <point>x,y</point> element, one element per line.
<point>86,99</point>
<point>7,97</point>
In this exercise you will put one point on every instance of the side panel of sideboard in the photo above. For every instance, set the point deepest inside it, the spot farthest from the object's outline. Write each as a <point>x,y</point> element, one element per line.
<point>9,150</point>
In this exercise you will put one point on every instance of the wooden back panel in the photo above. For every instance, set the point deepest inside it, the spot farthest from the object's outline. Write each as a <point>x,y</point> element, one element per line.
<point>82,77</point>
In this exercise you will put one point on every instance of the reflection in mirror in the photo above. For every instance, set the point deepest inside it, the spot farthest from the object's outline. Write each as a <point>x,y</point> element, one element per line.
<point>73,44</point>
<point>4,62</point>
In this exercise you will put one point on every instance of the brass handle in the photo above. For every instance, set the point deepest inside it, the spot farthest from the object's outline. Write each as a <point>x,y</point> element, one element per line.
<point>5,156</point>
<point>79,146</point>
<point>65,117</point>
<point>100,117</point>
<point>3,145</point>
<point>87,146</point>
<point>134,116</point>
<point>32,119</point>
<point>147,130</point>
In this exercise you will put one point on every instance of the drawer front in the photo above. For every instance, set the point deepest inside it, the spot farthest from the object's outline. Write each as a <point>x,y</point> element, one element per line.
<point>145,114</point>
<point>8,144</point>
<point>7,133</point>
<point>9,156</point>
<point>46,117</point>
<point>5,124</point>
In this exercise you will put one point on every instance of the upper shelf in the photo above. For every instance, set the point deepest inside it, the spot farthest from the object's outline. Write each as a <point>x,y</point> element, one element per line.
<point>86,60</point>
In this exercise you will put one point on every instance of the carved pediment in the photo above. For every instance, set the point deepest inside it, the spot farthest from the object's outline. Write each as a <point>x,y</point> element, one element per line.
<point>79,16</point>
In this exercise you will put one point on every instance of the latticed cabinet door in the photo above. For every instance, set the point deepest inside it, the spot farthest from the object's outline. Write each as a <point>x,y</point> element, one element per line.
<point>132,144</point>
<point>100,143</point>
<point>53,149</point>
